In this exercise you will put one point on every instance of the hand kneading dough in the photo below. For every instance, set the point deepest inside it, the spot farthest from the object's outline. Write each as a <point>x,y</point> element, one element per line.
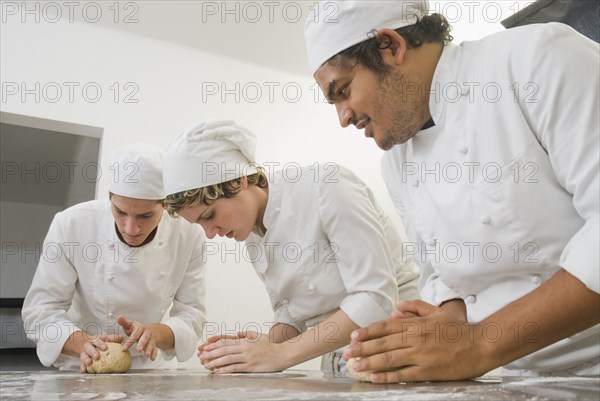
<point>360,376</point>
<point>112,360</point>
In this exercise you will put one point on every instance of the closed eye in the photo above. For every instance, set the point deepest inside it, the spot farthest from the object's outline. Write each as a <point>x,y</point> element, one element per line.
<point>342,91</point>
<point>204,218</point>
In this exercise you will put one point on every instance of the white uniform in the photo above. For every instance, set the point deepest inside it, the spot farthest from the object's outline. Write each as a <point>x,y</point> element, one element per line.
<point>503,190</point>
<point>87,277</point>
<point>328,246</point>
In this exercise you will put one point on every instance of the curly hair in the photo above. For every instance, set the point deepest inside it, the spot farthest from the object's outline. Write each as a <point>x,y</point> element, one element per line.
<point>208,195</point>
<point>433,28</point>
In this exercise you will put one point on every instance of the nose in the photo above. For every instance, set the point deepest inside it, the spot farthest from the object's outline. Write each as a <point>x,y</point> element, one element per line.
<point>132,227</point>
<point>345,114</point>
<point>210,230</point>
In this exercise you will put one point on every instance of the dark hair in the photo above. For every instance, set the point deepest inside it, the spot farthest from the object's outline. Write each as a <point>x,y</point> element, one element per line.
<point>433,28</point>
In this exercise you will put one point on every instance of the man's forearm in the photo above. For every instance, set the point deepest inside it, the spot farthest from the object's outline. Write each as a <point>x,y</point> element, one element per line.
<point>559,308</point>
<point>456,307</point>
<point>74,344</point>
<point>165,338</point>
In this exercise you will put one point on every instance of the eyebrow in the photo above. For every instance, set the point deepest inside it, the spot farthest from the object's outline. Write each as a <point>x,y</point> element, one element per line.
<point>331,88</point>
<point>139,214</point>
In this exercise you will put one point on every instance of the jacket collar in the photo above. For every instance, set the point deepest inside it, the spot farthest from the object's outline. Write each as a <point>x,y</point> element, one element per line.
<point>445,81</point>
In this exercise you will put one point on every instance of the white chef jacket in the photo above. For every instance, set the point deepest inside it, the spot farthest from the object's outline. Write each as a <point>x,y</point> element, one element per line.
<point>87,276</point>
<point>329,246</point>
<point>503,190</point>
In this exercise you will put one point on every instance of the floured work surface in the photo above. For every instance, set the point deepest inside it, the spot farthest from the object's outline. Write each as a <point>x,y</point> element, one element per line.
<point>290,385</point>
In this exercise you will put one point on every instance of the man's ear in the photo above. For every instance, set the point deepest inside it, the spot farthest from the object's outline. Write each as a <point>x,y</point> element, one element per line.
<point>394,45</point>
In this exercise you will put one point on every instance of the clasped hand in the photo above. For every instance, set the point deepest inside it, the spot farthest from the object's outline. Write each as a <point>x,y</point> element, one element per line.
<point>245,352</point>
<point>421,342</point>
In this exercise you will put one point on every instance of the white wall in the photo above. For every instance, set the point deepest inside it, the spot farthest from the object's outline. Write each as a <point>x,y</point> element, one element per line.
<point>170,81</point>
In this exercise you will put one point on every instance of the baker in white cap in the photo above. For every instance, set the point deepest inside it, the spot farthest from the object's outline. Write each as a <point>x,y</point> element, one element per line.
<point>111,269</point>
<point>494,170</point>
<point>329,256</point>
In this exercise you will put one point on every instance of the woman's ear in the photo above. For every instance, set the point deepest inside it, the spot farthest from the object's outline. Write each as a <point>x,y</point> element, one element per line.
<point>244,182</point>
<point>394,45</point>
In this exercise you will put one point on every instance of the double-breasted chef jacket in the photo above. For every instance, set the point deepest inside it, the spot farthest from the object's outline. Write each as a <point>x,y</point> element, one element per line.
<point>87,276</point>
<point>503,190</point>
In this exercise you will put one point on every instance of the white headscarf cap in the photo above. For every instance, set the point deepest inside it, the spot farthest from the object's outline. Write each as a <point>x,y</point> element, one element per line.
<point>135,171</point>
<point>208,153</point>
<point>334,26</point>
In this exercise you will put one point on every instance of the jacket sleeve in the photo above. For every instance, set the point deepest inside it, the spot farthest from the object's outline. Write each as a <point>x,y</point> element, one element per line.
<point>188,314</point>
<point>565,121</point>
<point>49,297</point>
<point>354,225</point>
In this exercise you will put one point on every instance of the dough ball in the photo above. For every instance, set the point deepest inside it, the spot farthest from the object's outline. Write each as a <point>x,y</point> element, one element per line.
<point>360,376</point>
<point>112,360</point>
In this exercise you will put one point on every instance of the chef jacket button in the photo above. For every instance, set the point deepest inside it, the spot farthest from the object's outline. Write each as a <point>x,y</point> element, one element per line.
<point>111,277</point>
<point>285,301</point>
<point>110,314</point>
<point>464,150</point>
<point>162,274</point>
<point>471,299</point>
<point>111,245</point>
<point>416,183</point>
<point>311,287</point>
<point>432,242</point>
<point>536,279</point>
<point>485,220</point>
<point>277,209</point>
<point>465,90</point>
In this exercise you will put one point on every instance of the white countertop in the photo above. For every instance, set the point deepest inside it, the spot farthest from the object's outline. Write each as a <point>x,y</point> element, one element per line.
<point>288,385</point>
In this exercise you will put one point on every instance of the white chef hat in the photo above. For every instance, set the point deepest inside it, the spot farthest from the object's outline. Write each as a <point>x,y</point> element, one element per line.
<point>209,153</point>
<point>334,26</point>
<point>135,171</point>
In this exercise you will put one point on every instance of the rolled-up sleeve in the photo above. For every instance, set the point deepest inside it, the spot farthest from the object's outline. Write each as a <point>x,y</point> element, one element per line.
<point>188,314</point>
<point>353,223</point>
<point>364,308</point>
<point>49,298</point>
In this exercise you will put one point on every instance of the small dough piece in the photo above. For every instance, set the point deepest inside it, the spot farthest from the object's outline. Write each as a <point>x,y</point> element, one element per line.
<point>360,376</point>
<point>113,360</point>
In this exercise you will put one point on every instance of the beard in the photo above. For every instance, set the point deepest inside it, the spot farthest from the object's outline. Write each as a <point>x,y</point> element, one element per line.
<point>406,109</point>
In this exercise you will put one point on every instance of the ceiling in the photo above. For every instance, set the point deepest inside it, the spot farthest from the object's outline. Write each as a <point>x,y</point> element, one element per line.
<point>268,33</point>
